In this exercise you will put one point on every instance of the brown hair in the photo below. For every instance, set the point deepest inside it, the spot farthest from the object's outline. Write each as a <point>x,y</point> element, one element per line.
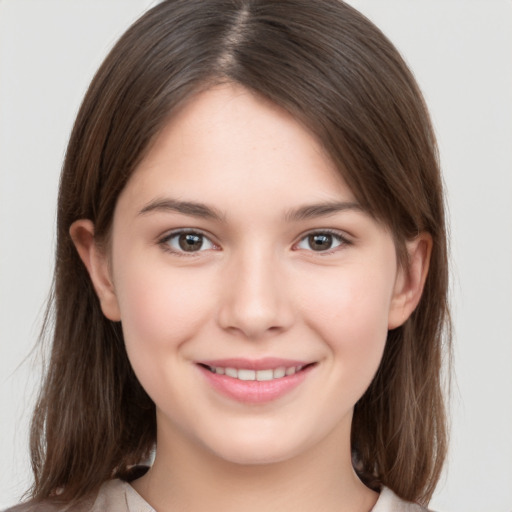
<point>338,74</point>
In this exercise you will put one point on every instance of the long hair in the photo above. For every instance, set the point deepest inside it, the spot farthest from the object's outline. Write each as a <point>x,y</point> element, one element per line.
<point>336,73</point>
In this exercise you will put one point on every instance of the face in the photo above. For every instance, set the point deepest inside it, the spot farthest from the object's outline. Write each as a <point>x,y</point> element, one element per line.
<point>255,294</point>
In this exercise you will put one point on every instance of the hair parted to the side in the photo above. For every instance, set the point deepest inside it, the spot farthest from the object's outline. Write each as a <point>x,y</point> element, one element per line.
<point>340,76</point>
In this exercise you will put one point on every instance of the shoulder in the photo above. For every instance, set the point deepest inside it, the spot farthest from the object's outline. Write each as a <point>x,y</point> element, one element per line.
<point>389,502</point>
<point>119,496</point>
<point>114,496</point>
<point>50,506</point>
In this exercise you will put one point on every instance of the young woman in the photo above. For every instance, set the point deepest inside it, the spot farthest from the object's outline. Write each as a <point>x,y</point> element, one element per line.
<point>251,272</point>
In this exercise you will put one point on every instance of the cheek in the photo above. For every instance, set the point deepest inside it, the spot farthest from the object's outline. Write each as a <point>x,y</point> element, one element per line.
<point>350,312</point>
<point>161,307</point>
<point>352,299</point>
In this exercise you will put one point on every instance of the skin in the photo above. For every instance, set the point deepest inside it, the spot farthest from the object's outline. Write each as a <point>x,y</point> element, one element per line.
<point>256,288</point>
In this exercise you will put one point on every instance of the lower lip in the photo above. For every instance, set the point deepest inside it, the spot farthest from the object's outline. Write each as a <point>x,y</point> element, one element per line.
<point>254,391</point>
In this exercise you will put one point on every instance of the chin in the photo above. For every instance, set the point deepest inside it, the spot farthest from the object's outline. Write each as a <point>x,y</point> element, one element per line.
<point>258,449</point>
<point>252,456</point>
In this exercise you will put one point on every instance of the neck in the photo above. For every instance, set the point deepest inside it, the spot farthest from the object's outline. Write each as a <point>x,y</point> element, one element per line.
<point>184,477</point>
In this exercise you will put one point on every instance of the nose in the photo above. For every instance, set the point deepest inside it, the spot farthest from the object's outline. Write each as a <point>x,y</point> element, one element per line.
<point>256,298</point>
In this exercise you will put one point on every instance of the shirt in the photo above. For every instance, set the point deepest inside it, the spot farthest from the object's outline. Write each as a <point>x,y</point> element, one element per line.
<point>120,496</point>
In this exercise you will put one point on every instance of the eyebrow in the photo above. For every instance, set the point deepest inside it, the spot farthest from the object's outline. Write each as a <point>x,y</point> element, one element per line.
<point>313,211</point>
<point>185,207</point>
<point>203,211</point>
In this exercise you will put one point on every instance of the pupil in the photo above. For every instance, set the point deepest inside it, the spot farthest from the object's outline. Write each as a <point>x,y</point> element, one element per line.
<point>190,242</point>
<point>320,242</point>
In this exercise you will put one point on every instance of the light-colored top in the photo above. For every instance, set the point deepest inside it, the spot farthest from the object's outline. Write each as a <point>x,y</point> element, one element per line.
<point>118,496</point>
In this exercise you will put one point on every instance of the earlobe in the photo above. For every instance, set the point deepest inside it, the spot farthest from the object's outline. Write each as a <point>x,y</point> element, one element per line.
<point>96,262</point>
<point>410,280</point>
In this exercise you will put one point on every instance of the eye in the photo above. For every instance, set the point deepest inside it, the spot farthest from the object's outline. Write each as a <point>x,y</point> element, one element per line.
<point>187,241</point>
<point>321,241</point>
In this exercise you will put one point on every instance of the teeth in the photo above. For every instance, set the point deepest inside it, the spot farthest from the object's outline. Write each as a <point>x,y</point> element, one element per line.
<point>246,375</point>
<point>231,372</point>
<point>264,375</point>
<point>279,372</point>
<point>259,375</point>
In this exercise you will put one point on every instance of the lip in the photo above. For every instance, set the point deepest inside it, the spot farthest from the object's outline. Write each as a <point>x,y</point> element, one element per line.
<point>253,391</point>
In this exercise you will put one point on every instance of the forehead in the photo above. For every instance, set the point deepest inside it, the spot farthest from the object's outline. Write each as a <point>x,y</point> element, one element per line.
<point>230,146</point>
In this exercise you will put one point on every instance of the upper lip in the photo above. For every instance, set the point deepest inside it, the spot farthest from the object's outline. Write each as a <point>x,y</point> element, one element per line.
<point>266,363</point>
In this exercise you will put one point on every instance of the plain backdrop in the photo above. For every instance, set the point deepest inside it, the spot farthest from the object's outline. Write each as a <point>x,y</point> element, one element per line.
<point>461,54</point>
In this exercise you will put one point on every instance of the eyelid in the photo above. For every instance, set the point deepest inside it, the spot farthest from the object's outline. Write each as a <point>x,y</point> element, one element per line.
<point>164,241</point>
<point>339,235</point>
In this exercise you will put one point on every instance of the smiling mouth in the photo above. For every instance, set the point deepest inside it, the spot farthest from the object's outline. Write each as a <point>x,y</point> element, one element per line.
<point>255,381</point>
<point>246,374</point>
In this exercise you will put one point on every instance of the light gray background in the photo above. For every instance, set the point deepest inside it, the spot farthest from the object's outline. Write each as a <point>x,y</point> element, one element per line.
<point>461,53</point>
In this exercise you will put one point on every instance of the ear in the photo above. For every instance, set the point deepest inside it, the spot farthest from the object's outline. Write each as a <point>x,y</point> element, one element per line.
<point>410,280</point>
<point>97,264</point>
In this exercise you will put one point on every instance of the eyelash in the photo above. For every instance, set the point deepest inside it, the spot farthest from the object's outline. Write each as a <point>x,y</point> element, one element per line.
<point>343,241</point>
<point>164,242</point>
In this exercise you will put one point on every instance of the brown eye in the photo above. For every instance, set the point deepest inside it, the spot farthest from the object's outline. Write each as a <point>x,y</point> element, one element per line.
<point>321,241</point>
<point>188,242</point>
